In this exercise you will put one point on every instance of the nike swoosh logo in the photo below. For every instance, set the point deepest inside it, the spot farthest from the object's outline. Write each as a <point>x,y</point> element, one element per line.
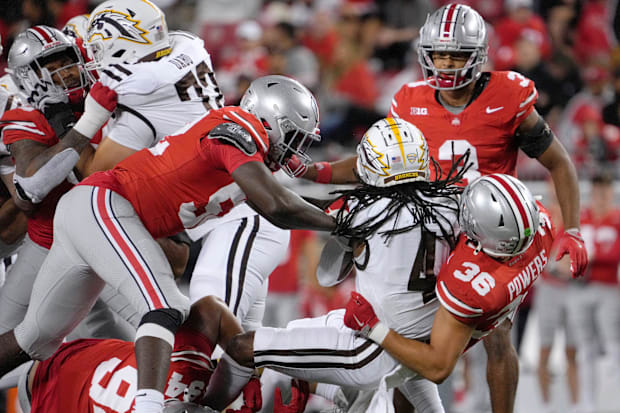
<point>359,323</point>
<point>489,110</point>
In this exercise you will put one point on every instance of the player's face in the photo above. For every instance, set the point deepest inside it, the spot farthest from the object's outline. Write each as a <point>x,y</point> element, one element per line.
<point>450,60</point>
<point>64,73</point>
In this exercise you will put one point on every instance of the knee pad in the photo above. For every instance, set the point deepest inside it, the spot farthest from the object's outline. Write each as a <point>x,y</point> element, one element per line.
<point>37,345</point>
<point>162,323</point>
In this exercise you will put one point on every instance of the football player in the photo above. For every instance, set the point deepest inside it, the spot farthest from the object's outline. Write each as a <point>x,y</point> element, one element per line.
<point>102,373</point>
<point>163,85</point>
<point>12,220</point>
<point>106,226</point>
<point>504,247</point>
<point>49,72</point>
<point>396,208</point>
<point>492,114</point>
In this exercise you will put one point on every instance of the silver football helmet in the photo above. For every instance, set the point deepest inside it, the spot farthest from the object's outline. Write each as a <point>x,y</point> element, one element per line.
<point>453,28</point>
<point>126,31</point>
<point>392,152</point>
<point>38,46</point>
<point>499,213</point>
<point>289,113</point>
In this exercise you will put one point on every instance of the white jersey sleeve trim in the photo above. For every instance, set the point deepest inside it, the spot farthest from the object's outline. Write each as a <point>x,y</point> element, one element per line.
<point>529,98</point>
<point>454,305</point>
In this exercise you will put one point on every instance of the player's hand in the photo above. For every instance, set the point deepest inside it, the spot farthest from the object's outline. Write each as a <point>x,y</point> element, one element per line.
<point>300,390</point>
<point>98,107</point>
<point>60,117</point>
<point>252,399</point>
<point>361,317</point>
<point>571,243</point>
<point>296,168</point>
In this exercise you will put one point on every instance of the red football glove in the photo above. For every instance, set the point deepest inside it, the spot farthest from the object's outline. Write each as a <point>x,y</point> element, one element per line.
<point>361,317</point>
<point>300,391</point>
<point>252,399</point>
<point>296,167</point>
<point>571,242</point>
<point>98,107</point>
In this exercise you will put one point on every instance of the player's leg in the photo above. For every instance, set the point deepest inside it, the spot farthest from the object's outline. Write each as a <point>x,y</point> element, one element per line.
<point>128,259</point>
<point>320,349</point>
<point>549,309</point>
<point>608,324</point>
<point>235,260</point>
<point>423,395</point>
<point>502,368</point>
<point>15,293</point>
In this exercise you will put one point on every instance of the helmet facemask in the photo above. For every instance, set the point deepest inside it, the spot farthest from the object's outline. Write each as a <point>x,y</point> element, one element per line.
<point>455,28</point>
<point>293,141</point>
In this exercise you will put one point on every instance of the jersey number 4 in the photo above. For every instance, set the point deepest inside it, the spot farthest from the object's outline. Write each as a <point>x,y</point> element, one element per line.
<point>422,277</point>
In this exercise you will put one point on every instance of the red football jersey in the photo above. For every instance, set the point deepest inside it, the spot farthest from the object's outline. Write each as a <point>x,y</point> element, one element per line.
<point>100,376</point>
<point>481,291</point>
<point>602,237</point>
<point>486,126</point>
<point>185,179</point>
<point>27,123</point>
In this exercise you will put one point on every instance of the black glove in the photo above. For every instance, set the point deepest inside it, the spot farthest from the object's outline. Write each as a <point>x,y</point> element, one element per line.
<point>60,117</point>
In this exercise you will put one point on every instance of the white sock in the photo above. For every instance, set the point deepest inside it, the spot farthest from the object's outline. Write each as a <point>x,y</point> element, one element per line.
<point>149,401</point>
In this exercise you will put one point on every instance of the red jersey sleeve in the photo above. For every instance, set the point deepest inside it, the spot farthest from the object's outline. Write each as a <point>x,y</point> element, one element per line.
<point>403,98</point>
<point>26,123</point>
<point>458,303</point>
<point>522,94</point>
<point>229,157</point>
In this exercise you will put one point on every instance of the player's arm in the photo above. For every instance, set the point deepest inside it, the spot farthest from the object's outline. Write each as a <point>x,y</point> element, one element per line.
<point>211,317</point>
<point>12,219</point>
<point>537,140</point>
<point>339,172</point>
<point>502,368</point>
<point>39,168</point>
<point>435,360</point>
<point>107,155</point>
<point>278,204</point>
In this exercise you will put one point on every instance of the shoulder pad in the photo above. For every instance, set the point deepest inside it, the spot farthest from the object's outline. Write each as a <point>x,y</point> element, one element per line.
<point>235,135</point>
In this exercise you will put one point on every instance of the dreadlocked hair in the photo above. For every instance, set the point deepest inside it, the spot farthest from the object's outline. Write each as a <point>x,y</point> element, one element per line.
<point>424,201</point>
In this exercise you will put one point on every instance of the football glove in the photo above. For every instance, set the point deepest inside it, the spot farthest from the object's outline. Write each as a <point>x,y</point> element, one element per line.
<point>361,317</point>
<point>300,391</point>
<point>571,243</point>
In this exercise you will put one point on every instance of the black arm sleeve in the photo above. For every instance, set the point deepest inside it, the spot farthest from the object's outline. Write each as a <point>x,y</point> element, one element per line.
<point>60,117</point>
<point>536,140</point>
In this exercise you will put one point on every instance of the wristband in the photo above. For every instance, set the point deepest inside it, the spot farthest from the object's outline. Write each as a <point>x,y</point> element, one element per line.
<point>323,172</point>
<point>379,333</point>
<point>87,126</point>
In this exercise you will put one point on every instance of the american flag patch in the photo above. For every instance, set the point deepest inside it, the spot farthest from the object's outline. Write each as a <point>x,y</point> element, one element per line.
<point>396,159</point>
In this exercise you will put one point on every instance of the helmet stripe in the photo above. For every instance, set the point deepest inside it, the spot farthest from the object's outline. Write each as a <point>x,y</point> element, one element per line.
<point>43,34</point>
<point>394,127</point>
<point>449,21</point>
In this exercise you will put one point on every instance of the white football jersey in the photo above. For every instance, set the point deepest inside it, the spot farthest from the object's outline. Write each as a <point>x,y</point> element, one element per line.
<point>8,101</point>
<point>397,276</point>
<point>157,98</point>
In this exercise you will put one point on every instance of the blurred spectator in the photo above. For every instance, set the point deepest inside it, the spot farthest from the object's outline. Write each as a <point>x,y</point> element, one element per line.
<point>53,13</point>
<point>283,303</point>
<point>528,61</point>
<point>320,35</point>
<point>594,312</point>
<point>594,37</point>
<point>490,10</point>
<point>247,60</point>
<point>598,145</point>
<point>551,304</point>
<point>596,94</point>
<point>402,20</point>
<point>288,57</point>
<point>520,23</point>
<point>611,112</point>
<point>561,20</point>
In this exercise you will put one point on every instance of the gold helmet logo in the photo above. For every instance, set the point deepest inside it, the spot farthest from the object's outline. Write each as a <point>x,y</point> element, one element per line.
<point>127,27</point>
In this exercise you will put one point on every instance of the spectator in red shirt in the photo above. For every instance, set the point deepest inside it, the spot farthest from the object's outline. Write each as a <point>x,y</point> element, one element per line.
<point>520,22</point>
